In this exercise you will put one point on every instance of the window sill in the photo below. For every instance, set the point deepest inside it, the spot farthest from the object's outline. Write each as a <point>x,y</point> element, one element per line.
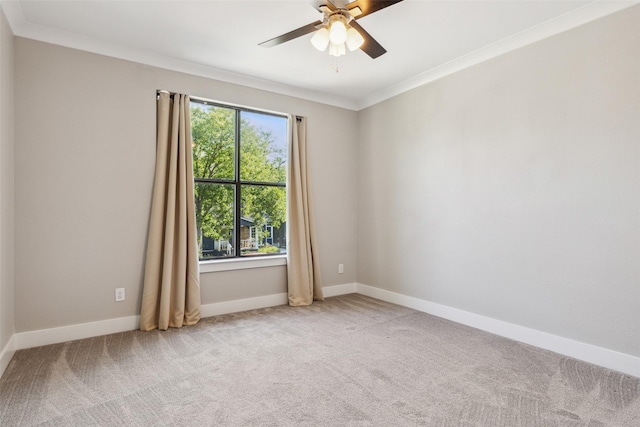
<point>241,263</point>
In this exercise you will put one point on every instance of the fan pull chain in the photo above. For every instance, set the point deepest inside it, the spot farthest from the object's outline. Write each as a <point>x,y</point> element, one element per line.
<point>334,65</point>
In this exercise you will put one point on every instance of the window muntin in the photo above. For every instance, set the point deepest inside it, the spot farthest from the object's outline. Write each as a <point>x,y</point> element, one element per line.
<point>240,161</point>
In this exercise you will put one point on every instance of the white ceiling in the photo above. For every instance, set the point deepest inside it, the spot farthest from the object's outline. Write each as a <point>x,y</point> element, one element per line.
<point>425,39</point>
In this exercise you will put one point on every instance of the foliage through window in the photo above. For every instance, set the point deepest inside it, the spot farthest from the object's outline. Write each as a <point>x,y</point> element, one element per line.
<point>240,171</point>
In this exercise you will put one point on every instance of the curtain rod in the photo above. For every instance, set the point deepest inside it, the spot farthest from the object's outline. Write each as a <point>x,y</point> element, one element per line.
<point>206,101</point>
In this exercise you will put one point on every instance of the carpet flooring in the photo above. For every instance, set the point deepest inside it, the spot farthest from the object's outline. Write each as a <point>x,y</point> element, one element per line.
<point>351,360</point>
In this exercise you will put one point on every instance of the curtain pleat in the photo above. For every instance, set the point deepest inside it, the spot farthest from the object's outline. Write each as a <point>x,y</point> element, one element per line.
<point>303,271</point>
<point>171,293</point>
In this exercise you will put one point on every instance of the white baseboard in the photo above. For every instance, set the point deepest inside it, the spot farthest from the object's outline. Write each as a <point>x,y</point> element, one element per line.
<point>589,353</point>
<point>236,306</point>
<point>60,334</point>
<point>75,332</point>
<point>7,353</point>
<point>111,326</point>
<point>578,350</point>
<point>333,291</point>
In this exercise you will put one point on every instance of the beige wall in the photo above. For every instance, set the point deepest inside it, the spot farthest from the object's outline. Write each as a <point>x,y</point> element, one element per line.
<point>512,189</point>
<point>6,183</point>
<point>85,150</point>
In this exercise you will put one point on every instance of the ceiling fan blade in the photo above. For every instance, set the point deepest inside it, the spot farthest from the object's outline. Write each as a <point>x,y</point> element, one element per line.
<point>309,28</point>
<point>370,46</point>
<point>317,4</point>
<point>370,6</point>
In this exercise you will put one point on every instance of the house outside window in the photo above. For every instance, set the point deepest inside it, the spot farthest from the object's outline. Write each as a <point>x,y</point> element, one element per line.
<point>240,169</point>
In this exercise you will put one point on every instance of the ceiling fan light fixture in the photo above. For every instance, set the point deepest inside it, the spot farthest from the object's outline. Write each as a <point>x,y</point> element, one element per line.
<point>320,39</point>
<point>338,32</point>
<point>354,39</point>
<point>337,49</point>
<point>336,25</point>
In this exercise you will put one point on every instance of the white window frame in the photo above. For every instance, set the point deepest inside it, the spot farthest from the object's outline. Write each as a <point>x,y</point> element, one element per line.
<point>222,264</point>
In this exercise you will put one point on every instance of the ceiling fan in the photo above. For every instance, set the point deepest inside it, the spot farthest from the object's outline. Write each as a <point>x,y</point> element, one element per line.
<point>339,28</point>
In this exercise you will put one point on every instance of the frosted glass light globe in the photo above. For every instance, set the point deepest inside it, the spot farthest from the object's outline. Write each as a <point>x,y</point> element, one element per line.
<point>320,39</point>
<point>354,39</point>
<point>338,33</point>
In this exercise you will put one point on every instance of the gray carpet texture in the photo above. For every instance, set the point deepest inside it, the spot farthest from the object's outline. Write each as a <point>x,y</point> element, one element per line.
<point>348,361</point>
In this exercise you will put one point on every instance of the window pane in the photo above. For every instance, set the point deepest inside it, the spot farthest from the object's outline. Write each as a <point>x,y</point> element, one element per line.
<point>263,147</point>
<point>213,132</point>
<point>214,219</point>
<point>263,227</point>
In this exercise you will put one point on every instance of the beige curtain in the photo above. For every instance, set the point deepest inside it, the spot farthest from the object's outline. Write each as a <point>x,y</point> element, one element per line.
<point>171,294</point>
<point>303,271</point>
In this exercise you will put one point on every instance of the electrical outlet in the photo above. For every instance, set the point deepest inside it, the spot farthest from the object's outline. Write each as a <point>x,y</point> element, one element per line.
<point>340,268</point>
<point>119,294</point>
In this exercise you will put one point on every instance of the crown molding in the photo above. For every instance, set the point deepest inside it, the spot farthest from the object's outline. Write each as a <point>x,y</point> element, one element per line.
<point>14,13</point>
<point>587,13</point>
<point>590,12</point>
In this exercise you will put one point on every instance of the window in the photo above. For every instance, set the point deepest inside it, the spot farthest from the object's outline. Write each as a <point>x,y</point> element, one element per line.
<point>240,170</point>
